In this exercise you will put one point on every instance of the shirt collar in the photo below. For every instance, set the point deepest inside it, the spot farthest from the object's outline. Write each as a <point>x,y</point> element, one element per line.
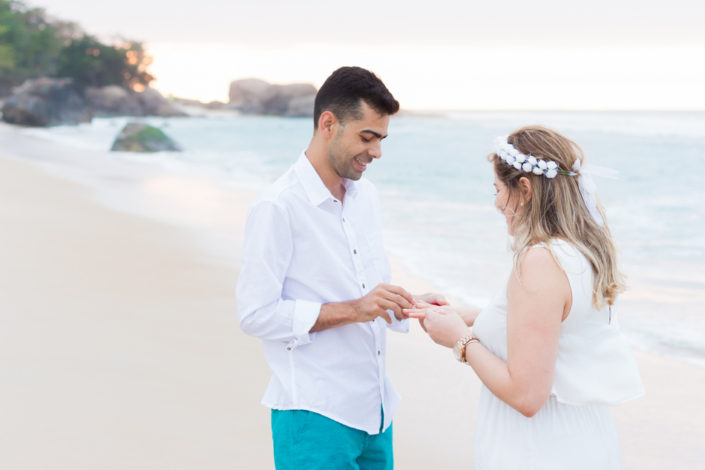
<point>350,188</point>
<point>316,191</point>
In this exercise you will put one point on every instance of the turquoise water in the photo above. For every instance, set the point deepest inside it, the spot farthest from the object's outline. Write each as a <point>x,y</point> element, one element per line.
<point>437,195</point>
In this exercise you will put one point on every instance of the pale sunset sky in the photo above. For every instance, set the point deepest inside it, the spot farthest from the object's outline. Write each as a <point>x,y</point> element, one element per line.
<point>516,54</point>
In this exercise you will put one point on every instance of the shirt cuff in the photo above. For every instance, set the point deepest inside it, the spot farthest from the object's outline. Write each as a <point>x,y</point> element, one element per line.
<point>305,316</point>
<point>400,326</point>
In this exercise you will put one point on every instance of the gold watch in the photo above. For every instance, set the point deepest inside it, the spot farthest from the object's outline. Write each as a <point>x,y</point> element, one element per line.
<point>459,348</point>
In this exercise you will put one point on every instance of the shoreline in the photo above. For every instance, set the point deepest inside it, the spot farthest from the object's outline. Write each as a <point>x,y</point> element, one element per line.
<point>121,345</point>
<point>143,364</point>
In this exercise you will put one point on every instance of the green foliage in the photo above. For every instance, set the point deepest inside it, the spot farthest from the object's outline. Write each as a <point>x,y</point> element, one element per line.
<point>29,43</point>
<point>91,63</point>
<point>7,57</point>
<point>34,45</point>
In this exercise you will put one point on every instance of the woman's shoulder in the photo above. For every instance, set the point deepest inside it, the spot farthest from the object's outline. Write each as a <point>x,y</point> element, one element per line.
<point>549,251</point>
<point>537,254</point>
<point>538,266</point>
<point>554,242</point>
<point>557,252</point>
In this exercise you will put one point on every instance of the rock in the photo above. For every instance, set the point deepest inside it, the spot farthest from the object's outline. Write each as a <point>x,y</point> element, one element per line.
<point>216,106</point>
<point>114,101</point>
<point>277,98</point>
<point>188,102</point>
<point>246,94</point>
<point>47,102</point>
<point>200,109</point>
<point>5,88</point>
<point>117,101</point>
<point>254,96</point>
<point>139,137</point>
<point>190,106</point>
<point>154,104</point>
<point>301,106</point>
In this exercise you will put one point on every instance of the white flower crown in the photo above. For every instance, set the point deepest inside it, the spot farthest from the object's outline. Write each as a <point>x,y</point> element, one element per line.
<point>530,164</point>
<point>527,163</point>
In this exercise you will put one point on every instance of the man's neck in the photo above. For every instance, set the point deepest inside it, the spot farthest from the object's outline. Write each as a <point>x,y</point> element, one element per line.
<point>319,160</point>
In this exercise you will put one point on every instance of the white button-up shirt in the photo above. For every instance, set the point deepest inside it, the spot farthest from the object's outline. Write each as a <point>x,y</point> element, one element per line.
<point>304,248</point>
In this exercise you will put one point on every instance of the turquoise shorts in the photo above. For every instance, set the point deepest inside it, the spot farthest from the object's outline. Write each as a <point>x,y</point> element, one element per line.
<point>307,440</point>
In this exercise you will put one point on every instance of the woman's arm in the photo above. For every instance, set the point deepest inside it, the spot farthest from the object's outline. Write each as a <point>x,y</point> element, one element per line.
<point>536,302</point>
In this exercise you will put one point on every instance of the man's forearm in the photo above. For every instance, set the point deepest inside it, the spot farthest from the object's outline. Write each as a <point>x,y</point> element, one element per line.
<point>335,314</point>
<point>376,303</point>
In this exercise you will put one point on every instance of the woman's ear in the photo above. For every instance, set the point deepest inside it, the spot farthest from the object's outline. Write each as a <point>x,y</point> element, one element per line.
<point>525,189</point>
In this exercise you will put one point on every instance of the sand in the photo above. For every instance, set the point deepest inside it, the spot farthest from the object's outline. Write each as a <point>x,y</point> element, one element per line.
<point>120,346</point>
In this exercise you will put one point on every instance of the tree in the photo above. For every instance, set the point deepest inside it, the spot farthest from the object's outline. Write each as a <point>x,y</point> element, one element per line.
<point>92,63</point>
<point>33,45</point>
<point>137,61</point>
<point>29,43</point>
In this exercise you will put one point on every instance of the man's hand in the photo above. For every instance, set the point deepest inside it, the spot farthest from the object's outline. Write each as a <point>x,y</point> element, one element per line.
<point>380,299</point>
<point>374,304</point>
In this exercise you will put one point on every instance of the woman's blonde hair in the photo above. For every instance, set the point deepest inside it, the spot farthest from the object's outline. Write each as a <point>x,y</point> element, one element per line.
<point>557,209</point>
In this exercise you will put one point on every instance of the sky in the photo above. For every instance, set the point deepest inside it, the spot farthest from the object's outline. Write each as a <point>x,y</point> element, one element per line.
<point>543,54</point>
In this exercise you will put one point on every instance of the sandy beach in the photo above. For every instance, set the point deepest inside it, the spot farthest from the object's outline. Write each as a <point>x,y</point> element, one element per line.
<point>120,346</point>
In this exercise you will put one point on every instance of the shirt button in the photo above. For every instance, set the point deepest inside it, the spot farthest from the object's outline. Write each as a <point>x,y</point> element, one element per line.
<point>288,348</point>
<point>343,219</point>
<point>379,353</point>
<point>354,251</point>
<point>363,285</point>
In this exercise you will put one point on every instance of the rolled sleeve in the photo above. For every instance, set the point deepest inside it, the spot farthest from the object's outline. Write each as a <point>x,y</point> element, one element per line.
<point>267,253</point>
<point>305,316</point>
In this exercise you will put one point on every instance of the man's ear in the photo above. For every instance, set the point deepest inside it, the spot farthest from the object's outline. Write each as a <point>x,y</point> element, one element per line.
<point>526,189</point>
<point>327,124</point>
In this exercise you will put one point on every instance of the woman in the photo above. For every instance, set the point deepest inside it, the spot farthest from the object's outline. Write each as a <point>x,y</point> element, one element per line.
<point>547,350</point>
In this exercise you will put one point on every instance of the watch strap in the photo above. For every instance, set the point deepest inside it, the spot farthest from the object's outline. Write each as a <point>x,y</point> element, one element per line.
<point>462,344</point>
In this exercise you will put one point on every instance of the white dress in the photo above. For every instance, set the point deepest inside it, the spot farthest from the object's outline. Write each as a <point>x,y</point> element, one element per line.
<point>594,369</point>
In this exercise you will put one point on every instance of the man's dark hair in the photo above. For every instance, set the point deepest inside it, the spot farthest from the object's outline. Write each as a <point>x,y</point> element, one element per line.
<point>342,91</point>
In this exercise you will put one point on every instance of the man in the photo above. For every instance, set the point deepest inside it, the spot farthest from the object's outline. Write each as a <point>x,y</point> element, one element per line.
<point>314,288</point>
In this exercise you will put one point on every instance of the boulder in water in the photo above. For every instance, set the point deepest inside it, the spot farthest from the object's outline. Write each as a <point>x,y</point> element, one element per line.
<point>140,137</point>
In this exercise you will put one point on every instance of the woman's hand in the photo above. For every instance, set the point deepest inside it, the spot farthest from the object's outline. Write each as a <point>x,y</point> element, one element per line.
<point>443,324</point>
<point>424,301</point>
<point>468,314</point>
<point>429,299</point>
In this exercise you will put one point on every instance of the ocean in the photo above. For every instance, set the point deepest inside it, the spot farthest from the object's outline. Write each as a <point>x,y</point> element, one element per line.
<point>437,196</point>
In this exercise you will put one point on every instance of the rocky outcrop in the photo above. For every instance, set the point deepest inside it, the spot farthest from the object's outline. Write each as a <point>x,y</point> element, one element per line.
<point>5,89</point>
<point>154,104</point>
<point>301,106</point>
<point>246,95</point>
<point>113,101</point>
<point>47,102</point>
<point>117,101</point>
<point>199,108</point>
<point>254,96</point>
<point>139,137</point>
